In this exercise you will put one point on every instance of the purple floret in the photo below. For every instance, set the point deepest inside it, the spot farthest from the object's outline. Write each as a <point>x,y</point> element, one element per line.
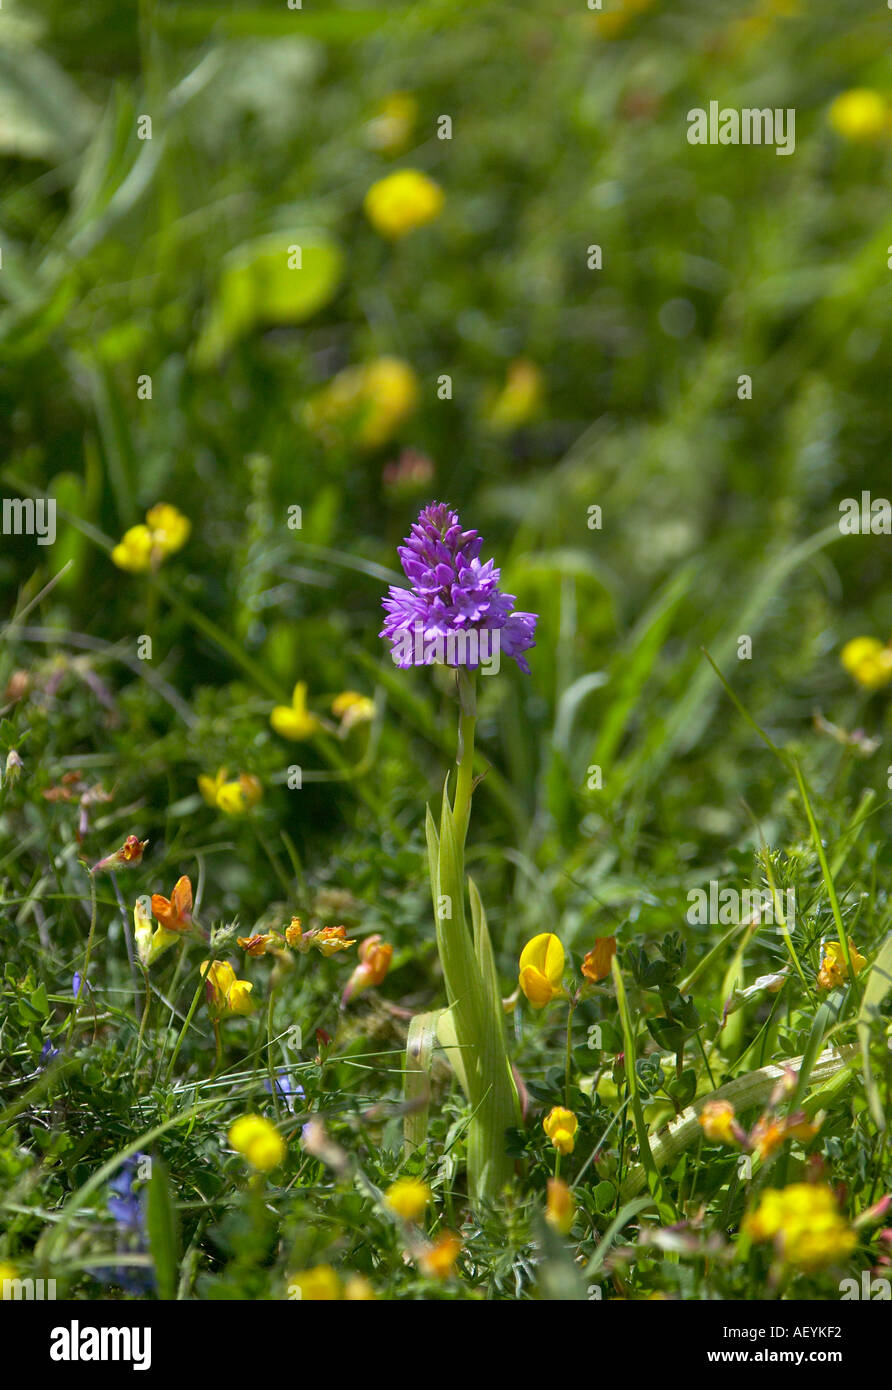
<point>453,596</point>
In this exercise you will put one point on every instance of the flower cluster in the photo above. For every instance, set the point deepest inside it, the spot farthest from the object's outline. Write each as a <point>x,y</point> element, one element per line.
<point>232,797</point>
<point>146,546</point>
<point>453,596</point>
<point>805,1224</point>
<point>719,1123</point>
<point>834,971</point>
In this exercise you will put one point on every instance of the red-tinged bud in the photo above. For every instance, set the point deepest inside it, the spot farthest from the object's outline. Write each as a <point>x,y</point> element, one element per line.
<point>129,856</point>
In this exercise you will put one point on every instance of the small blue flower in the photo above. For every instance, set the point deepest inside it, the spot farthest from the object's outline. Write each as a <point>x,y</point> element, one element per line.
<point>129,1211</point>
<point>287,1089</point>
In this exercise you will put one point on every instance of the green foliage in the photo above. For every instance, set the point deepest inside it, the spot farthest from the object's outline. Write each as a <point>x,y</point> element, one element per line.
<point>627,772</point>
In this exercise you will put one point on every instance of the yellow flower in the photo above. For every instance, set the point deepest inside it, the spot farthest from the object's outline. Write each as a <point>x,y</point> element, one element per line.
<point>868,661</point>
<point>170,529</point>
<point>357,1289</point>
<point>151,942</point>
<point>258,1141</point>
<point>224,993</point>
<point>234,798</point>
<point>561,1125</point>
<point>257,944</point>
<point>519,398</point>
<point>294,932</point>
<point>439,1261</point>
<point>134,551</point>
<point>330,940</point>
<point>209,786</point>
<point>317,1285</point>
<point>833,969</point>
<point>560,1206</point>
<point>295,721</point>
<point>402,201</point>
<point>409,1198</point>
<point>805,1224</point>
<point>718,1122</point>
<point>352,708</point>
<point>143,547</point>
<point>391,127</point>
<point>541,969</point>
<point>596,963</point>
<point>860,114</point>
<point>364,404</point>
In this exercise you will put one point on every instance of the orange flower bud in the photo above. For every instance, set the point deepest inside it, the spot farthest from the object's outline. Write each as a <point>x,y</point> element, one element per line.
<point>596,965</point>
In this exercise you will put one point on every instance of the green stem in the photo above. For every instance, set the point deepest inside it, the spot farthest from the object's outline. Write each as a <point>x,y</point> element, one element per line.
<point>464,786</point>
<point>569,1055</point>
<point>82,992</point>
<point>190,1015</point>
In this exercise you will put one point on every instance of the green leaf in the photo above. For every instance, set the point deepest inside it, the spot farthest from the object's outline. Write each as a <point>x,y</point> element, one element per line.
<point>162,1227</point>
<point>879,982</point>
<point>417,1063</point>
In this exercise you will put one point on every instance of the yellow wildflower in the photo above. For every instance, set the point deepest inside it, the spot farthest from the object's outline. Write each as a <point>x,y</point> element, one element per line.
<point>170,529</point>
<point>868,661</point>
<point>402,201</point>
<point>134,550</point>
<point>295,721</point>
<point>519,398</point>
<point>364,404</point>
<point>560,1206</point>
<point>357,1289</point>
<point>234,798</point>
<point>409,1198</point>
<point>805,1224</point>
<point>390,128</point>
<point>330,940</point>
<point>151,942</point>
<point>860,114</point>
<point>210,786</point>
<point>317,1285</point>
<point>144,547</point>
<point>541,969</point>
<point>352,708</point>
<point>718,1122</point>
<point>257,944</point>
<point>225,994</point>
<point>561,1125</point>
<point>258,1141</point>
<point>834,970</point>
